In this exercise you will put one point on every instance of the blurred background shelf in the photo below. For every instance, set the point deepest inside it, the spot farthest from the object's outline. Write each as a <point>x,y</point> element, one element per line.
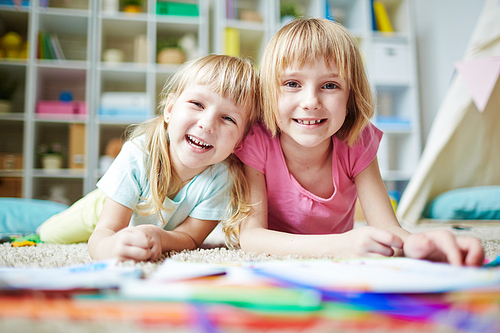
<point>95,48</point>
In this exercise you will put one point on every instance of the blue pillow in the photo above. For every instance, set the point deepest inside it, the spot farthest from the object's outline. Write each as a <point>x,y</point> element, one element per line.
<point>472,203</point>
<point>23,216</point>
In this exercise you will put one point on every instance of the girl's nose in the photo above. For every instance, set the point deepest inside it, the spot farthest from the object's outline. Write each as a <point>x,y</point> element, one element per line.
<point>310,100</point>
<point>207,122</point>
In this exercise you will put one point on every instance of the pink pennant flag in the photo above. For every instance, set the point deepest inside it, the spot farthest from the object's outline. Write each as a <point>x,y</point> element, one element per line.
<point>481,75</point>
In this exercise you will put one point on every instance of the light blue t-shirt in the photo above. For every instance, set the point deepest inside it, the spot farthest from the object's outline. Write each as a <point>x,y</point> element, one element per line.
<point>205,197</point>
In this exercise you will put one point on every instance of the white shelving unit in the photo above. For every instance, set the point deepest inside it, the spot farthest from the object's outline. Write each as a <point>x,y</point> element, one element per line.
<point>87,32</point>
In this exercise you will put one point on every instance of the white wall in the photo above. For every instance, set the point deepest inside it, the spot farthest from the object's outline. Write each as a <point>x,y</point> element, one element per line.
<point>443,29</point>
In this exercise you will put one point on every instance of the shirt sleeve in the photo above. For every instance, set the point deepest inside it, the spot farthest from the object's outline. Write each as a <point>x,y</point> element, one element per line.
<point>215,201</point>
<point>254,148</point>
<point>125,180</point>
<point>365,149</point>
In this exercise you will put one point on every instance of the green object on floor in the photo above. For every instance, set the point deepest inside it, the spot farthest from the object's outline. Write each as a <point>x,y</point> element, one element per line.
<point>30,238</point>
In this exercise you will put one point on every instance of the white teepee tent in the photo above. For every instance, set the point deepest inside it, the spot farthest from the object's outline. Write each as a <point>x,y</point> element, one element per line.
<point>463,146</point>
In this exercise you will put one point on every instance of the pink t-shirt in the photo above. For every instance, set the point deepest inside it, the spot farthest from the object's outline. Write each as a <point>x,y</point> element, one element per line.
<point>293,209</point>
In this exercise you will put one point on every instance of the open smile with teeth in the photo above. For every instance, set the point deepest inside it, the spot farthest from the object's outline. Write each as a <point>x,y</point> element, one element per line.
<point>309,122</point>
<point>197,143</point>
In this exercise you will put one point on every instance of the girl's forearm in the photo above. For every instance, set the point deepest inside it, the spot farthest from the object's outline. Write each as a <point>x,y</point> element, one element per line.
<point>177,241</point>
<point>359,242</point>
<point>261,240</point>
<point>99,245</point>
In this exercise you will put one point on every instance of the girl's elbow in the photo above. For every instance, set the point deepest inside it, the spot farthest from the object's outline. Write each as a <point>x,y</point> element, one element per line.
<point>248,242</point>
<point>245,246</point>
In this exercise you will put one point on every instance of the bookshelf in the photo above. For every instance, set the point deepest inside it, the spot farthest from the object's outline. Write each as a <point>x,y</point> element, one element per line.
<point>108,53</point>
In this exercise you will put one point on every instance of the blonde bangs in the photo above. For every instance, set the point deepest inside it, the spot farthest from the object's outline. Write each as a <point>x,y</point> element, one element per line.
<point>311,41</point>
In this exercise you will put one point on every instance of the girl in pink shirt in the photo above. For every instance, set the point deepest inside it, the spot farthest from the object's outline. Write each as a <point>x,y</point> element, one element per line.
<point>315,153</point>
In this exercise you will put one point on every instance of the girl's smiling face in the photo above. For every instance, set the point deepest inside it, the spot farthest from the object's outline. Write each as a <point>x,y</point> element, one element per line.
<point>204,129</point>
<point>312,104</point>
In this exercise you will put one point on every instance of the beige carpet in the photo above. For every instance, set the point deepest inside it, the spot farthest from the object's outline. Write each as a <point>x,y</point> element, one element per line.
<point>54,255</point>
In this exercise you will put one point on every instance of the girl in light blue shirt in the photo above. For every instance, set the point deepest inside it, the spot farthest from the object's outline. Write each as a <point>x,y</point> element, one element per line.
<point>176,177</point>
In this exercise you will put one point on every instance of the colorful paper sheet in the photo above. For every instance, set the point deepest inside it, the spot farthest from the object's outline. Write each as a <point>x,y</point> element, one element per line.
<point>95,275</point>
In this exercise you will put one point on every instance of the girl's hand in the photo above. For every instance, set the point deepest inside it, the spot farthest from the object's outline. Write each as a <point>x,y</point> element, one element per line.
<point>442,246</point>
<point>369,242</point>
<point>137,243</point>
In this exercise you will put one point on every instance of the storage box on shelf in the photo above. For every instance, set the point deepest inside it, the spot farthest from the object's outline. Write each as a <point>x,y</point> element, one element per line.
<point>11,161</point>
<point>177,9</point>
<point>124,106</point>
<point>11,187</point>
<point>61,107</point>
<point>77,146</point>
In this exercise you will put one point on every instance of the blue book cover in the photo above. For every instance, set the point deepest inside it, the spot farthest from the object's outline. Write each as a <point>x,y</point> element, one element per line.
<point>374,21</point>
<point>12,3</point>
<point>328,12</point>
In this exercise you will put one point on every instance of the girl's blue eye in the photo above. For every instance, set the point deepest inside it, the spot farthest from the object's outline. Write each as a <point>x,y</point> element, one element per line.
<point>331,85</point>
<point>229,119</point>
<point>198,104</point>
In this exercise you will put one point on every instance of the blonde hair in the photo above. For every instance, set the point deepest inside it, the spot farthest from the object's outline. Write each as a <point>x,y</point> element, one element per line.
<point>304,41</point>
<point>230,77</point>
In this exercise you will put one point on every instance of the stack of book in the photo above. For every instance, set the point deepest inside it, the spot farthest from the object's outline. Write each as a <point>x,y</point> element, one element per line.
<point>381,21</point>
<point>49,46</point>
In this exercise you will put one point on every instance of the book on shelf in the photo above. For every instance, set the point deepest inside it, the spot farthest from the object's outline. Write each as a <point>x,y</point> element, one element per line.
<point>328,12</point>
<point>232,42</point>
<point>383,22</point>
<point>41,53</point>
<point>22,3</point>
<point>231,9</point>
<point>49,46</point>
<point>56,46</point>
<point>374,19</point>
